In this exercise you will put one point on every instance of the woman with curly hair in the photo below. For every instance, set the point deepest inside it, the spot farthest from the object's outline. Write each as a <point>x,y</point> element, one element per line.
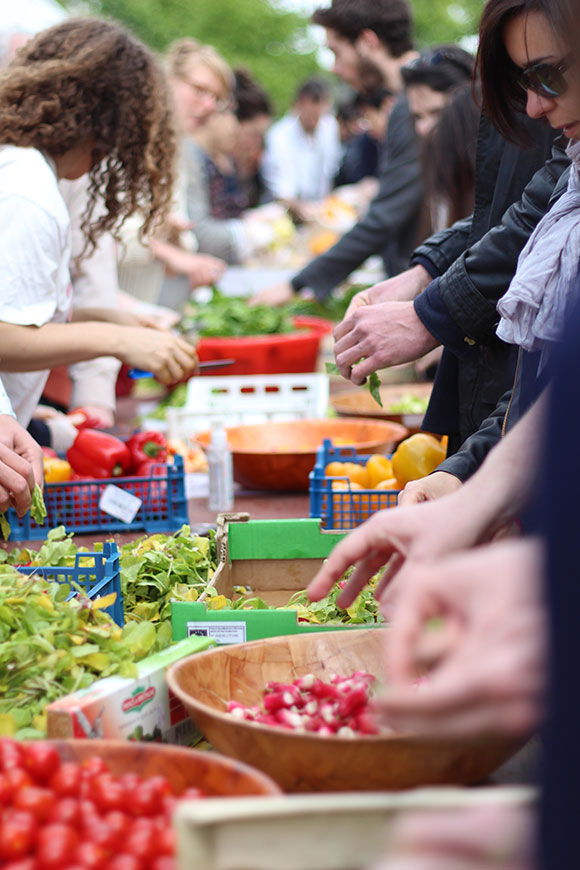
<point>82,97</point>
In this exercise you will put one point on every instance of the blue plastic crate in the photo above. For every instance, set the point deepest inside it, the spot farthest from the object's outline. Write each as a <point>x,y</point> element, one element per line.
<point>98,579</point>
<point>75,505</point>
<point>348,508</point>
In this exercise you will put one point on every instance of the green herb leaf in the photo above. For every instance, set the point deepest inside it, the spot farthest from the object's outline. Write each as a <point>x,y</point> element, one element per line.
<point>38,508</point>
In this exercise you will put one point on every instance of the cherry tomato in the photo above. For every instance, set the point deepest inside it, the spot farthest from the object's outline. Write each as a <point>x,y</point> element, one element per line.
<point>67,811</point>
<point>35,800</point>
<point>169,804</point>
<point>147,800</point>
<point>119,823</point>
<point>141,841</point>
<point>67,780</point>
<point>191,794</point>
<point>124,862</point>
<point>130,781</point>
<point>89,814</point>
<point>18,832</point>
<point>41,760</point>
<point>24,864</point>
<point>164,862</point>
<point>166,841</point>
<point>55,846</point>
<point>93,767</point>
<point>11,754</point>
<point>6,791</point>
<point>108,793</point>
<point>91,856</point>
<point>16,778</point>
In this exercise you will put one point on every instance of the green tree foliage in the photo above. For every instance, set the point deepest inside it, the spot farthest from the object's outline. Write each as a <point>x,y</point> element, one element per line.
<point>274,44</point>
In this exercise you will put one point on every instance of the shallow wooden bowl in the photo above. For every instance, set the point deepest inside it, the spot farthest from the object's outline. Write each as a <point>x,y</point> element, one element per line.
<point>280,456</point>
<point>215,775</point>
<point>308,762</point>
<point>360,403</point>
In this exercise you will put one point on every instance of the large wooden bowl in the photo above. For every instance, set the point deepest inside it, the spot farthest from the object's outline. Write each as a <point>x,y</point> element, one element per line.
<point>360,403</point>
<point>215,775</point>
<point>305,762</point>
<point>280,456</point>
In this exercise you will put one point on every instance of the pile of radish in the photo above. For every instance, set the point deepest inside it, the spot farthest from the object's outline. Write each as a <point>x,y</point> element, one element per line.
<point>338,708</point>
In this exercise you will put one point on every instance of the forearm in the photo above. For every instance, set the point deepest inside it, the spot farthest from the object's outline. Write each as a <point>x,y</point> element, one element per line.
<point>31,348</point>
<point>500,490</point>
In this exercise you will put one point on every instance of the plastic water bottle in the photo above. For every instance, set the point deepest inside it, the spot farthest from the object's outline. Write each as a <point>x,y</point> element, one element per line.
<point>221,475</point>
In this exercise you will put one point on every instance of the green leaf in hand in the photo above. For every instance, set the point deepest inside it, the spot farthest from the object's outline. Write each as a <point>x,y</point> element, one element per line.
<point>4,526</point>
<point>38,508</point>
<point>373,382</point>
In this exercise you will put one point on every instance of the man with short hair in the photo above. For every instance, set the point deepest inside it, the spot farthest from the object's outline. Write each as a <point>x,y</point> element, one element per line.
<point>371,40</point>
<point>303,149</point>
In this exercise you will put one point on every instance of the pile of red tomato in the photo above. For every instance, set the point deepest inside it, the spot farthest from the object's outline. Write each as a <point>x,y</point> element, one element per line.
<point>58,815</point>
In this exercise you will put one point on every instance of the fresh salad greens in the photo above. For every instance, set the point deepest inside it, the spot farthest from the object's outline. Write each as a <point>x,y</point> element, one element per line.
<point>409,404</point>
<point>334,307</point>
<point>50,647</point>
<point>177,398</point>
<point>373,382</point>
<point>154,570</point>
<point>363,611</point>
<point>38,508</point>
<point>231,316</point>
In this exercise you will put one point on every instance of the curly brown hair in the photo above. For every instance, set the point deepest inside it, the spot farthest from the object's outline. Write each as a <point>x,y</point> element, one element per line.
<point>89,80</point>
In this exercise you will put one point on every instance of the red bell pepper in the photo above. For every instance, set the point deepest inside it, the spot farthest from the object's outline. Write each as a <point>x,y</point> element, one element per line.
<point>99,455</point>
<point>147,446</point>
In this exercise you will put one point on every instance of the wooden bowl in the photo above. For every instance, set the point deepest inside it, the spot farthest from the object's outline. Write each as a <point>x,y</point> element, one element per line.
<point>309,762</point>
<point>215,775</point>
<point>360,403</point>
<point>280,456</point>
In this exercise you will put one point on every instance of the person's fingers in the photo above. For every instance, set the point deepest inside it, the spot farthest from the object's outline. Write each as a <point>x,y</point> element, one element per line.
<point>413,493</point>
<point>5,500</point>
<point>344,328</point>
<point>347,553</point>
<point>361,371</point>
<point>386,587</point>
<point>17,478</point>
<point>364,571</point>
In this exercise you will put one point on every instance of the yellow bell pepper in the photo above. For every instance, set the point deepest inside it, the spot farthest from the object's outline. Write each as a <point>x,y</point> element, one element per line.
<point>417,457</point>
<point>56,470</point>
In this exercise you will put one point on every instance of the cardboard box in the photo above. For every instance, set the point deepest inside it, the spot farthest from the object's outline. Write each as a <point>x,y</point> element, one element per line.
<point>273,558</point>
<point>117,708</point>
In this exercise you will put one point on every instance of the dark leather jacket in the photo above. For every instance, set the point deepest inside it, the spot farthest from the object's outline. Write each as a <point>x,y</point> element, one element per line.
<point>476,260</point>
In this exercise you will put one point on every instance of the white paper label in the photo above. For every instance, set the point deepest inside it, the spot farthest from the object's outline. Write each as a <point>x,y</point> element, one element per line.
<point>119,504</point>
<point>221,632</point>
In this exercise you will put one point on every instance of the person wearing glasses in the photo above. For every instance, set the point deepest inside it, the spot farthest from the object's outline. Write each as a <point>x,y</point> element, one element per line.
<point>166,267</point>
<point>449,295</point>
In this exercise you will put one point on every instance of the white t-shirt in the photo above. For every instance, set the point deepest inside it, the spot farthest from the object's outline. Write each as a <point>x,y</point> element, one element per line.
<point>35,252</point>
<point>300,165</point>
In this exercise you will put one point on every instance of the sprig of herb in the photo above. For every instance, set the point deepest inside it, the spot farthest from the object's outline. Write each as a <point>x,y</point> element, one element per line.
<point>373,382</point>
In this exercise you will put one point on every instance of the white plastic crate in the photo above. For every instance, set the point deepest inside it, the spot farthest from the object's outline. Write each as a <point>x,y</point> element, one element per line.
<point>238,400</point>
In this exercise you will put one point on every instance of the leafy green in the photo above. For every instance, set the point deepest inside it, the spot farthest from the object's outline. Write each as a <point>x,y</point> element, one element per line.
<point>4,527</point>
<point>409,404</point>
<point>177,398</point>
<point>232,316</point>
<point>334,307</point>
<point>38,507</point>
<point>373,382</point>
<point>50,647</point>
<point>154,570</point>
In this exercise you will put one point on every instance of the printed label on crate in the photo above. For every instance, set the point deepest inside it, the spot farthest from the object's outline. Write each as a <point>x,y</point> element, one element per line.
<point>119,504</point>
<point>221,632</point>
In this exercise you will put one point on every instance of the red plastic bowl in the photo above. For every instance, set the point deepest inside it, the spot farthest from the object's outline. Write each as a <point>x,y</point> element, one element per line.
<point>269,354</point>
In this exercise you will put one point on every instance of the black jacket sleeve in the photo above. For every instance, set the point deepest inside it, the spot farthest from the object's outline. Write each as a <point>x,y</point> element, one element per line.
<point>472,286</point>
<point>390,225</point>
<point>441,250</point>
<point>472,452</point>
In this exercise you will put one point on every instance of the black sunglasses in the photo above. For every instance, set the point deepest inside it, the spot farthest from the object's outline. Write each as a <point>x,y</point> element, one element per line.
<point>545,79</point>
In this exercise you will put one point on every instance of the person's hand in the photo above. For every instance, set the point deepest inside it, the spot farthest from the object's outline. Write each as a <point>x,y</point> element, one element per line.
<point>429,488</point>
<point>171,358</point>
<point>199,269</point>
<point>276,295</point>
<point>99,416</point>
<point>422,531</point>
<point>499,837</point>
<point>486,659</point>
<point>21,466</point>
<point>402,288</point>
<point>381,335</point>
